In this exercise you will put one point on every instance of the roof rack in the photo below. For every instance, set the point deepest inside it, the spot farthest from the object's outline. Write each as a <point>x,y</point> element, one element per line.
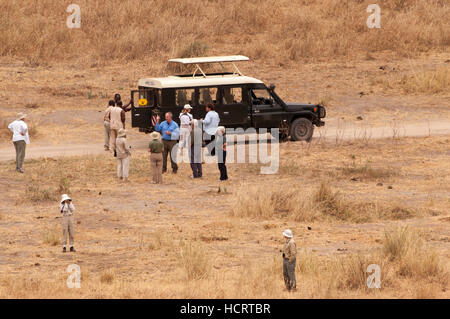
<point>212,59</point>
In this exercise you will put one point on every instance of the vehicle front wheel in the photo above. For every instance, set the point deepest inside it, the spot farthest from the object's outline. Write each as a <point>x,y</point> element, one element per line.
<point>301,130</point>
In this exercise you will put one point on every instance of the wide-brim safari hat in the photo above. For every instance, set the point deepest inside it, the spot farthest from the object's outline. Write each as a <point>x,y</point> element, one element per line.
<point>122,133</point>
<point>65,197</point>
<point>187,107</point>
<point>21,116</point>
<point>288,233</point>
<point>155,135</point>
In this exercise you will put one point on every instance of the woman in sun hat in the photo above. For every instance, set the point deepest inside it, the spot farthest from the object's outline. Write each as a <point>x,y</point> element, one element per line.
<point>289,258</point>
<point>67,208</point>
<point>123,155</point>
<point>185,127</point>
<point>155,148</point>
<point>20,139</point>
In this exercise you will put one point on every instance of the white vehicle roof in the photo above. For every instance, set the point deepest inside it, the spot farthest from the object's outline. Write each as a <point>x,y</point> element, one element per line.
<point>181,82</point>
<point>210,59</point>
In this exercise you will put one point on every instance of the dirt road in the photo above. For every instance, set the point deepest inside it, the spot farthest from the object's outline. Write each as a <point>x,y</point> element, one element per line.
<point>333,130</point>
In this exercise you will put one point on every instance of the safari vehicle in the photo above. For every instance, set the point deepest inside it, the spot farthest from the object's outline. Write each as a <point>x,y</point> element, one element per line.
<point>241,101</point>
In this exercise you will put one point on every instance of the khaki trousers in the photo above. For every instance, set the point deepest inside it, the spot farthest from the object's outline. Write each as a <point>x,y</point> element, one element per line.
<point>107,131</point>
<point>112,139</point>
<point>289,273</point>
<point>68,224</point>
<point>123,167</point>
<point>156,163</point>
<point>20,153</point>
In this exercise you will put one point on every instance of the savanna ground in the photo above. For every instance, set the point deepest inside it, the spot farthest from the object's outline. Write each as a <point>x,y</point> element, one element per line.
<point>350,202</point>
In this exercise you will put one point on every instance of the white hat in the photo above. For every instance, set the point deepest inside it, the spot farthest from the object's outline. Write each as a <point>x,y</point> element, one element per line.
<point>155,135</point>
<point>122,132</point>
<point>288,233</point>
<point>21,116</point>
<point>65,197</point>
<point>187,107</point>
<point>221,129</point>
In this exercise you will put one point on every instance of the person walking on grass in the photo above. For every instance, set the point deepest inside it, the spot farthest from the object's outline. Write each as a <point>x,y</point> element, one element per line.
<point>117,121</point>
<point>195,149</point>
<point>20,139</point>
<point>170,132</point>
<point>123,155</point>
<point>185,128</point>
<point>221,152</point>
<point>156,159</point>
<point>289,259</point>
<point>67,208</point>
<point>106,120</point>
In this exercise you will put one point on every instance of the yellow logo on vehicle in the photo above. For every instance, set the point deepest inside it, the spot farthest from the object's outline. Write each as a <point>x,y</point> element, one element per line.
<point>143,102</point>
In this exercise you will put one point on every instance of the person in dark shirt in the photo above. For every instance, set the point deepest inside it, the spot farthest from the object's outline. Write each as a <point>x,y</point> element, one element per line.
<point>126,107</point>
<point>221,152</point>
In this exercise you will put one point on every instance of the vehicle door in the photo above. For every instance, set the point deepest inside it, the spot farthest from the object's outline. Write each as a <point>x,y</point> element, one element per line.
<point>234,110</point>
<point>144,107</point>
<point>265,112</point>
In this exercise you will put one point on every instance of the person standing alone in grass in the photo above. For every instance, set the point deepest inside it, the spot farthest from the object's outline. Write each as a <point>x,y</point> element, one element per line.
<point>289,258</point>
<point>156,160</point>
<point>20,139</point>
<point>123,155</point>
<point>67,208</point>
<point>106,120</point>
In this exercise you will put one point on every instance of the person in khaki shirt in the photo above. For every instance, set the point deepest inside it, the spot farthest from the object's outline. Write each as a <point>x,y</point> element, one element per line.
<point>156,148</point>
<point>123,155</point>
<point>289,259</point>
<point>117,121</point>
<point>67,208</point>
<point>106,120</point>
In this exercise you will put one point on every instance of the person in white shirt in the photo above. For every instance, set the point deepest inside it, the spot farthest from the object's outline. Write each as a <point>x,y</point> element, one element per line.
<point>20,139</point>
<point>185,127</point>
<point>67,208</point>
<point>210,125</point>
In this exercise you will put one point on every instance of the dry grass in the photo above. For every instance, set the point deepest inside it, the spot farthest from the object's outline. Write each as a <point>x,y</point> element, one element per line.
<point>107,277</point>
<point>309,30</point>
<point>431,82</point>
<point>52,236</point>
<point>415,259</point>
<point>194,260</point>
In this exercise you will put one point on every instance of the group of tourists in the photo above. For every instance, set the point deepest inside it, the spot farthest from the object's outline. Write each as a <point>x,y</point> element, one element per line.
<point>168,140</point>
<point>192,135</point>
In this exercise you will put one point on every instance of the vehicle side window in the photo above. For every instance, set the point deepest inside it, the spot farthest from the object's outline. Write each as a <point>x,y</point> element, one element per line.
<point>185,96</point>
<point>207,95</point>
<point>260,96</point>
<point>232,95</point>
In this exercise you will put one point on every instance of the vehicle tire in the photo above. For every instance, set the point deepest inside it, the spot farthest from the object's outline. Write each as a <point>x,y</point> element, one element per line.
<point>301,130</point>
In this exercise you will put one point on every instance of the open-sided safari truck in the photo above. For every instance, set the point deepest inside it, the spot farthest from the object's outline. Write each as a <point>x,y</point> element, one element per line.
<point>240,101</point>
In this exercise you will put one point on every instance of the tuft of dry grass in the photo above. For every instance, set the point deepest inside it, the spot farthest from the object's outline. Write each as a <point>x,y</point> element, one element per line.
<point>52,236</point>
<point>194,260</point>
<point>107,277</point>
<point>431,82</point>
<point>415,259</point>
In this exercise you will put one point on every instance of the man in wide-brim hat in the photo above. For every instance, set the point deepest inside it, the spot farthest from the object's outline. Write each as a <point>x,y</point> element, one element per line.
<point>123,155</point>
<point>20,139</point>
<point>289,259</point>
<point>156,147</point>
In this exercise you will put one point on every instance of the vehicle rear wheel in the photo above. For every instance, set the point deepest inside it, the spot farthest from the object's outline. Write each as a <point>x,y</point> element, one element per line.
<point>301,130</point>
